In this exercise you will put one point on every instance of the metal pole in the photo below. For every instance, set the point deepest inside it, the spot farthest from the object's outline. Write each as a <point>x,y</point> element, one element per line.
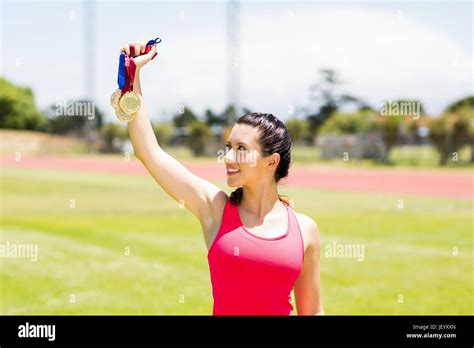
<point>233,50</point>
<point>89,62</point>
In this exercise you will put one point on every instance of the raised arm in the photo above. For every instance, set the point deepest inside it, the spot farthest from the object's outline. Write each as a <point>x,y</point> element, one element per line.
<point>204,199</point>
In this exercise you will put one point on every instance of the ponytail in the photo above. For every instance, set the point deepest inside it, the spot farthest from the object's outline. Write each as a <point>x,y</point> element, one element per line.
<point>236,196</point>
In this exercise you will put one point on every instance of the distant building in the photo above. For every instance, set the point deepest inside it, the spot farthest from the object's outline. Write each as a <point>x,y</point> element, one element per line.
<point>368,145</point>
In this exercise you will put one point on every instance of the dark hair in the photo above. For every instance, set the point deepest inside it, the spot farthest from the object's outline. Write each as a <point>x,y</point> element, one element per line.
<point>273,138</point>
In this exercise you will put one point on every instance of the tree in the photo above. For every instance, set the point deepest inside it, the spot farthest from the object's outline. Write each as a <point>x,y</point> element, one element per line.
<point>324,93</point>
<point>465,107</point>
<point>348,123</point>
<point>74,117</point>
<point>229,115</point>
<point>199,136</point>
<point>18,109</point>
<point>438,135</point>
<point>113,134</point>
<point>163,132</point>
<point>467,102</point>
<point>213,119</point>
<point>389,128</point>
<point>226,118</point>
<point>296,128</point>
<point>184,118</point>
<point>452,131</point>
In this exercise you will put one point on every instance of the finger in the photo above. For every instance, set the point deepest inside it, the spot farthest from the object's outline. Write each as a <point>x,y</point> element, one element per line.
<point>131,48</point>
<point>126,50</point>
<point>153,52</point>
<point>137,49</point>
<point>150,53</point>
<point>142,47</point>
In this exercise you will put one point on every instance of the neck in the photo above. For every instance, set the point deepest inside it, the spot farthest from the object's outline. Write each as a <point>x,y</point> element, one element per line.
<point>260,199</point>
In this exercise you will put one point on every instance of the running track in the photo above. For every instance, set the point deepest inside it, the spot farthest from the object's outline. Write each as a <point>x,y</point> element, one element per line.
<point>416,182</point>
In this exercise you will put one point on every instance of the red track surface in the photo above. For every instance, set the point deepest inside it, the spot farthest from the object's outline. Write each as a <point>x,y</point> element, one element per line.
<point>416,182</point>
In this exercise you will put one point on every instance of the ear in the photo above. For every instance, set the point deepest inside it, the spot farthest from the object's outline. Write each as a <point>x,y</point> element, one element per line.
<point>273,161</point>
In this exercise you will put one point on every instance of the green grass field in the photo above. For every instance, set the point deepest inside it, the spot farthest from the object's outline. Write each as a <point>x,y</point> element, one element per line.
<point>82,267</point>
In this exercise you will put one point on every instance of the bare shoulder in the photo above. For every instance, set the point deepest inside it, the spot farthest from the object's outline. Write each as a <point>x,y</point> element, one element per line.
<point>309,230</point>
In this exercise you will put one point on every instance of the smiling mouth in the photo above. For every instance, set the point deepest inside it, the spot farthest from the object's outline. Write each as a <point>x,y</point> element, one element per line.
<point>232,171</point>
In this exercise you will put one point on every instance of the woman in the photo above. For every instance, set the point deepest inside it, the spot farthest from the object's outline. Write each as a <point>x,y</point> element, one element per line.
<point>259,249</point>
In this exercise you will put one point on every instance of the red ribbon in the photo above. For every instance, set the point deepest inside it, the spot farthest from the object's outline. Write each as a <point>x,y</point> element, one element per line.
<point>131,67</point>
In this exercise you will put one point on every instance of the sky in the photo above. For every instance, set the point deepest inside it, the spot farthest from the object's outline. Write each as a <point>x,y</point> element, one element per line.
<point>381,50</point>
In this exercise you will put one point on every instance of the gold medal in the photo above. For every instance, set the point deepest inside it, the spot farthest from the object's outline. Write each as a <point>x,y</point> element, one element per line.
<point>123,116</point>
<point>115,97</point>
<point>130,103</point>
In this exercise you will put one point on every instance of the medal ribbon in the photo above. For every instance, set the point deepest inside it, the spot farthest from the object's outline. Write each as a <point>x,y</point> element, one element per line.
<point>127,67</point>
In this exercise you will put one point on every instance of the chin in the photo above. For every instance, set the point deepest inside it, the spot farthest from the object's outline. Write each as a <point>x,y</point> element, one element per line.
<point>232,184</point>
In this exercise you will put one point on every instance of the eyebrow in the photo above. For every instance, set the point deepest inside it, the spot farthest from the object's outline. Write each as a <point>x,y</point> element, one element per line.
<point>238,143</point>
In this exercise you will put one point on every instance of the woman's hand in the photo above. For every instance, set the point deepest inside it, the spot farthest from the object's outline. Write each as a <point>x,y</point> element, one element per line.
<point>140,57</point>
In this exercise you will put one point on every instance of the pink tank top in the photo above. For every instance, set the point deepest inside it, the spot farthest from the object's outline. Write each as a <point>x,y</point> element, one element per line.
<point>253,275</point>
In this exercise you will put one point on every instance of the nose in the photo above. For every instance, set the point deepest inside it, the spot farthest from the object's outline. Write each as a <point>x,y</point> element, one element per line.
<point>229,156</point>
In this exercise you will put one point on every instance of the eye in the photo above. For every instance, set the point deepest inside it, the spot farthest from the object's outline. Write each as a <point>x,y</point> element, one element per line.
<point>227,146</point>
<point>241,147</point>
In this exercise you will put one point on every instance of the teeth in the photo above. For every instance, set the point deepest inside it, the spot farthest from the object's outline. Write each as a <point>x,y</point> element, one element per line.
<point>233,170</point>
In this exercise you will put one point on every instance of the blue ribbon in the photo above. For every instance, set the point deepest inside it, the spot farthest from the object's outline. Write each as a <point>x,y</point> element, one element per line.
<point>121,69</point>
<point>154,41</point>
